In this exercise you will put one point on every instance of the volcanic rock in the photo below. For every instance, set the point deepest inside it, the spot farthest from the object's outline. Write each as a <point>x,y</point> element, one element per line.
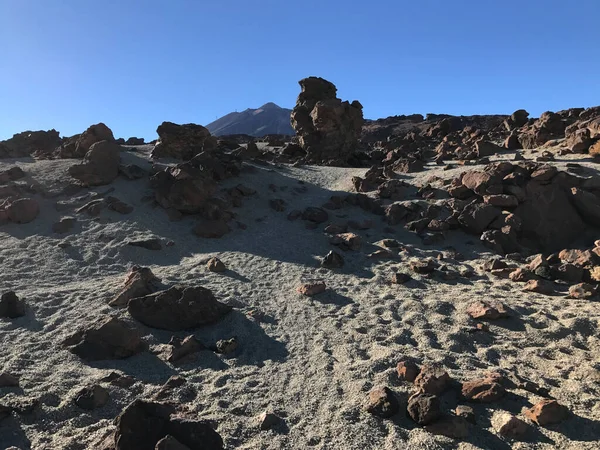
<point>327,128</point>
<point>178,308</point>
<point>109,338</point>
<point>140,282</point>
<point>547,412</point>
<point>182,141</point>
<point>432,380</point>
<point>100,165</point>
<point>382,402</point>
<point>11,306</point>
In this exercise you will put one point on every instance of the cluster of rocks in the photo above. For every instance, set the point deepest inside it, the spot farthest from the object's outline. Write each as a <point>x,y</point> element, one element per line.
<point>327,128</point>
<point>431,382</point>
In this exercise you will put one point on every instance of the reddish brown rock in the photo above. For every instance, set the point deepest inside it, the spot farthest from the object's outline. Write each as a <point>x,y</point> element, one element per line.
<point>179,349</point>
<point>508,425</point>
<point>424,266</point>
<point>432,380</point>
<point>547,412</point>
<point>520,275</point>
<point>91,397</point>
<point>487,311</point>
<point>539,286</point>
<point>400,278</point>
<point>484,390</point>
<point>310,289</point>
<point>347,241</point>
<point>501,200</point>
<point>407,371</point>
<point>581,258</point>
<point>382,402</point>
<point>582,291</point>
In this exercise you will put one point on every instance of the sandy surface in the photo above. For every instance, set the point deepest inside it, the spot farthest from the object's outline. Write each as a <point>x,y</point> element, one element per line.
<point>310,360</point>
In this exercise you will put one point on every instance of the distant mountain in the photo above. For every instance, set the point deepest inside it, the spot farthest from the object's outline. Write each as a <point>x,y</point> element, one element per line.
<point>268,119</point>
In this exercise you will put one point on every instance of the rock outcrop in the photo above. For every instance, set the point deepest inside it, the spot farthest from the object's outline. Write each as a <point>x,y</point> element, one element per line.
<point>77,146</point>
<point>100,165</point>
<point>30,143</point>
<point>327,128</point>
<point>182,141</point>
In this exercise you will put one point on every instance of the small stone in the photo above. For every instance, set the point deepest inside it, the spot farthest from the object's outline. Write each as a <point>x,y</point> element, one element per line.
<point>382,254</point>
<point>487,311</point>
<point>225,346</point>
<point>8,380</point>
<point>493,264</point>
<point>382,402</point>
<point>148,244</point>
<point>423,408</point>
<point>267,420</point>
<point>423,266</point>
<point>277,204</point>
<point>508,425</point>
<point>11,306</point>
<point>547,412</point>
<point>179,348</point>
<point>466,412</point>
<point>484,390</point>
<point>400,278</point>
<point>520,275</point>
<point>347,241</point>
<point>118,379</point>
<point>215,265</point>
<point>407,371</point>
<point>92,397</point>
<point>310,289</point>
<point>332,260</point>
<point>64,225</point>
<point>432,380</point>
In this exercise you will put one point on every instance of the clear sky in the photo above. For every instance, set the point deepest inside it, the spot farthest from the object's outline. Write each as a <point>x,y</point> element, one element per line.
<point>67,64</point>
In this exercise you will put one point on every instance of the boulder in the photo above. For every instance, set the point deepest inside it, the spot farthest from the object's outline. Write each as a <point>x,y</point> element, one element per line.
<point>508,425</point>
<point>432,380</point>
<point>186,192</point>
<point>78,145</point>
<point>11,306</point>
<point>8,380</point>
<point>484,390</point>
<point>23,210</point>
<point>450,426</point>
<point>347,241</point>
<point>327,128</point>
<point>476,217</point>
<point>170,443</point>
<point>181,348</point>
<point>486,148</point>
<point>548,218</point>
<point>100,165</point>
<point>211,229</point>
<point>182,141</point>
<point>178,308</point>
<point>547,412</point>
<point>423,408</point>
<point>109,338</point>
<point>12,174</point>
<point>38,143</point>
<point>382,402</point>
<point>142,424</point>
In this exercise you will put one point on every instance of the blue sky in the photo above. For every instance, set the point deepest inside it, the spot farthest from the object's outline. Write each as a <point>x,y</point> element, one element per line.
<point>132,64</point>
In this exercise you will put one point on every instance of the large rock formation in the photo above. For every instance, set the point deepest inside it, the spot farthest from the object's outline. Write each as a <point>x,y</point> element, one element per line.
<point>30,142</point>
<point>328,129</point>
<point>77,146</point>
<point>100,165</point>
<point>182,141</point>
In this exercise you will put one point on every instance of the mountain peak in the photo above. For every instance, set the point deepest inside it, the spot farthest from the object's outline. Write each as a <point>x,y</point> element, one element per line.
<point>270,105</point>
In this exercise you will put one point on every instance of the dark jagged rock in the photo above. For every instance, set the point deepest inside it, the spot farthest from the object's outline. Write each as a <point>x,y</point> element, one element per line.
<point>30,143</point>
<point>109,338</point>
<point>100,165</point>
<point>182,141</point>
<point>178,308</point>
<point>143,423</point>
<point>78,145</point>
<point>11,306</point>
